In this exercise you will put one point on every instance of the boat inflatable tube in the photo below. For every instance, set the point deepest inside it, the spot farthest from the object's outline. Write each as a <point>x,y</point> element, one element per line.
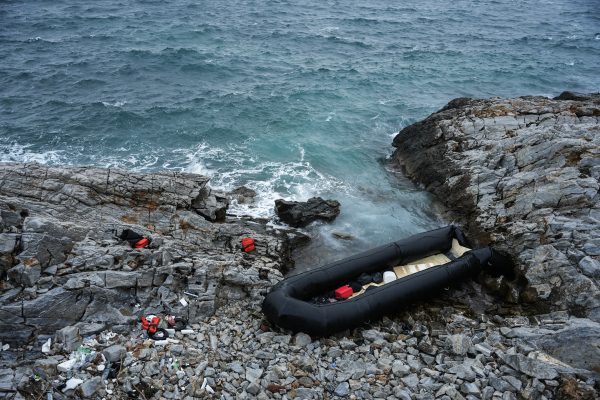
<point>287,305</point>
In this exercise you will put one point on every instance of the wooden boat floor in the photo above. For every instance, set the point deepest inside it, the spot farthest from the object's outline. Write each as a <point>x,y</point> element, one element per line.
<point>402,271</point>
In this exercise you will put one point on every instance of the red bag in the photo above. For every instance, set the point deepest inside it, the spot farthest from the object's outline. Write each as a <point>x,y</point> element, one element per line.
<point>248,244</point>
<point>142,243</point>
<point>344,292</point>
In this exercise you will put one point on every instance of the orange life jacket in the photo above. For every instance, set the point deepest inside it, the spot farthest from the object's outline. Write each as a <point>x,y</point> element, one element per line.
<point>248,244</point>
<point>139,244</point>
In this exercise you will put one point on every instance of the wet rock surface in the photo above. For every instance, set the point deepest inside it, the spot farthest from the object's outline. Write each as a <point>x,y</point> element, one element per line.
<point>523,176</point>
<point>300,214</point>
<point>62,265</point>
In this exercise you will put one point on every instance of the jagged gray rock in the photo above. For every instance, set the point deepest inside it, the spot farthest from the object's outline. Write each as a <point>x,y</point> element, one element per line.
<point>531,367</point>
<point>300,214</point>
<point>69,337</point>
<point>57,241</point>
<point>521,175</point>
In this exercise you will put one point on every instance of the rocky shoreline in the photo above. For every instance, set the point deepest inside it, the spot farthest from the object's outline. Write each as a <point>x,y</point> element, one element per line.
<point>520,174</point>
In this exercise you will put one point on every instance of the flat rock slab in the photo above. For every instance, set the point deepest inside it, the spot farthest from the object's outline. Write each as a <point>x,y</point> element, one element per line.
<point>300,214</point>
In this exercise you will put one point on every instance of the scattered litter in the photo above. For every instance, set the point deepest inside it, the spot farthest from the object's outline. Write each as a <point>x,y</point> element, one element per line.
<point>6,347</point>
<point>191,294</point>
<point>161,342</point>
<point>72,384</point>
<point>209,389</point>
<point>67,365</point>
<point>187,331</point>
<point>183,302</point>
<point>46,347</point>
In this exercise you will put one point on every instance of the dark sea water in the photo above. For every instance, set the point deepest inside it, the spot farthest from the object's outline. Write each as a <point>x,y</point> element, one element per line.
<point>292,99</point>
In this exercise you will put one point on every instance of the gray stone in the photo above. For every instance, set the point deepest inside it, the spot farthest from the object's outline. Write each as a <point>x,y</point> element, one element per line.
<point>6,380</point>
<point>399,369</point>
<point>514,382</point>
<point>304,393</point>
<point>263,396</point>
<point>253,388</point>
<point>69,337</point>
<point>115,353</point>
<point>509,333</point>
<point>238,368</point>
<point>348,345</point>
<point>484,348</point>
<point>469,388</point>
<point>152,368</point>
<point>458,344</point>
<point>463,372</point>
<point>300,214</point>
<point>427,348</point>
<point>264,355</point>
<point>531,367</point>
<point>385,365</point>
<point>302,339</point>
<point>26,273</point>
<point>372,335</point>
<point>90,387</point>
<point>411,381</point>
<point>253,375</point>
<point>590,267</point>
<point>45,368</point>
<point>213,207</point>
<point>342,389</point>
<point>501,385</point>
<point>402,393</point>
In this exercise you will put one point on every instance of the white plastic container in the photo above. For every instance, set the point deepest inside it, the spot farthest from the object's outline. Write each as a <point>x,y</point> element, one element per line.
<point>389,276</point>
<point>67,365</point>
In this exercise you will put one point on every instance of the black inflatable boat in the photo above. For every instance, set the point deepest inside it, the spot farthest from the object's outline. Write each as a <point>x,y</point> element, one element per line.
<point>444,259</point>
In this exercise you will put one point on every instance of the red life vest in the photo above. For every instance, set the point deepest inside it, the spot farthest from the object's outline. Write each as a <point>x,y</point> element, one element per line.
<point>248,245</point>
<point>141,243</point>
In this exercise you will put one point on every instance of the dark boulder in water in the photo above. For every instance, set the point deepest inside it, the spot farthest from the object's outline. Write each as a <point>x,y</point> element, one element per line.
<point>300,214</point>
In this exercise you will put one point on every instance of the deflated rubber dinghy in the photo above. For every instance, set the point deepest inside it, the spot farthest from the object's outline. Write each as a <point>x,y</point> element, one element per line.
<point>423,265</point>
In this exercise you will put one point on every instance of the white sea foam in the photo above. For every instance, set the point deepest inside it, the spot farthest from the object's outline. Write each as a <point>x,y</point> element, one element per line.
<point>115,104</point>
<point>22,153</point>
<point>294,180</point>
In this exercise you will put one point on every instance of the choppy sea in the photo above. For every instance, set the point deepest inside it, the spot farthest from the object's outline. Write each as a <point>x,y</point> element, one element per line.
<point>292,99</point>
